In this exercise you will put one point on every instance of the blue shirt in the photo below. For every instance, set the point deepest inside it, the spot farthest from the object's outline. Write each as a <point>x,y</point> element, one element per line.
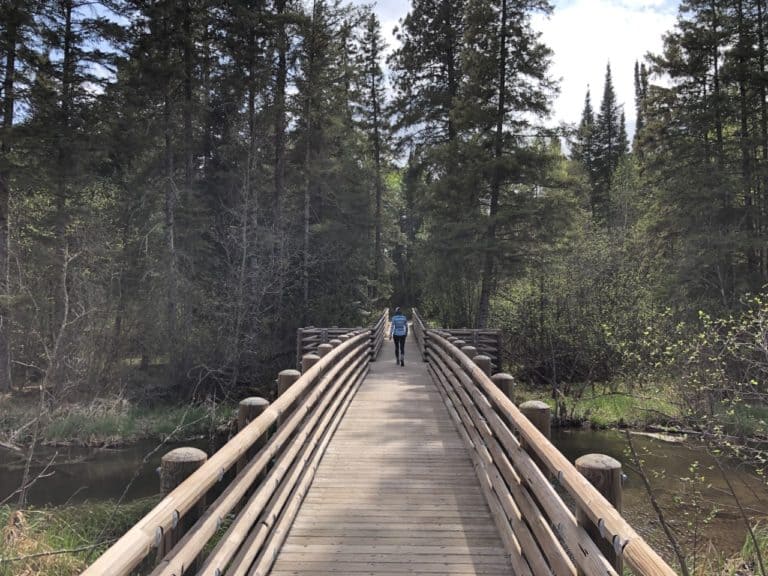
<point>399,325</point>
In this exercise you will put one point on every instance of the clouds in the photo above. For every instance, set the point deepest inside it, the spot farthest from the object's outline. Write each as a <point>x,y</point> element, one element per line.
<point>587,34</point>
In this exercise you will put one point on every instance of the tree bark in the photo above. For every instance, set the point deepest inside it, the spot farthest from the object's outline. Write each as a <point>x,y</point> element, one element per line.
<point>170,209</point>
<point>281,75</point>
<point>9,78</point>
<point>489,264</point>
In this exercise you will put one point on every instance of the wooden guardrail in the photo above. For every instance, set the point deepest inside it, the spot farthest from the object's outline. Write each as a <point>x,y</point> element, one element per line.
<point>487,341</point>
<point>275,454</point>
<point>516,462</point>
<point>309,339</point>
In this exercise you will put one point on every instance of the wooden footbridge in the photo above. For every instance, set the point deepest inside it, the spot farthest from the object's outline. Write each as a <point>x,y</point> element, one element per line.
<point>363,467</point>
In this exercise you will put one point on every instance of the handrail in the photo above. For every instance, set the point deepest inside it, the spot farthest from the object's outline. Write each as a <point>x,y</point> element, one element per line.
<point>419,329</point>
<point>378,332</point>
<point>490,413</point>
<point>138,542</point>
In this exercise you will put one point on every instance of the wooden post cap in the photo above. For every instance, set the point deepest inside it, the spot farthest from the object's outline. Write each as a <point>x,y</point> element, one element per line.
<point>249,409</point>
<point>323,349</point>
<point>344,337</point>
<point>285,379</point>
<point>506,383</point>
<point>484,362</point>
<point>177,465</point>
<point>309,360</point>
<point>538,413</point>
<point>459,343</point>
<point>335,342</point>
<point>604,473</point>
<point>470,351</point>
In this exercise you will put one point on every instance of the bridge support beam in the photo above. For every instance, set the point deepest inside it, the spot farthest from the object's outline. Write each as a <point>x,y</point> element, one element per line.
<point>604,473</point>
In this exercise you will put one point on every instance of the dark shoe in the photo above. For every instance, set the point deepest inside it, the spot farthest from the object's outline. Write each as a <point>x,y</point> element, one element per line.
<point>402,362</point>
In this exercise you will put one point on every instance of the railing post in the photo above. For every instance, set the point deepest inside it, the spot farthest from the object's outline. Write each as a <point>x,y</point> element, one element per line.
<point>299,345</point>
<point>247,411</point>
<point>484,363</point>
<point>506,383</point>
<point>175,467</point>
<point>322,350</point>
<point>604,473</point>
<point>308,360</point>
<point>538,413</point>
<point>470,351</point>
<point>285,380</point>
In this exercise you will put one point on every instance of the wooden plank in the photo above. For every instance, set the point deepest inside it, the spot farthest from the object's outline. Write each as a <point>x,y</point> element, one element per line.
<point>396,492</point>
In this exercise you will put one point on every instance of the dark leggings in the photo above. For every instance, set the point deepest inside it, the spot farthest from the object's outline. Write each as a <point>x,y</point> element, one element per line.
<point>399,346</point>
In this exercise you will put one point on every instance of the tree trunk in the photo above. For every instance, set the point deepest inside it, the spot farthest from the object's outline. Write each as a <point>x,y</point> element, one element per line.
<point>489,257</point>
<point>9,77</point>
<point>308,166</point>
<point>281,75</point>
<point>377,259</point>
<point>64,159</point>
<point>170,211</point>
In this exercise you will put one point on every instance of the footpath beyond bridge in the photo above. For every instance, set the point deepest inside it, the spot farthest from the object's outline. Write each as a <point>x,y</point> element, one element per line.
<point>370,468</point>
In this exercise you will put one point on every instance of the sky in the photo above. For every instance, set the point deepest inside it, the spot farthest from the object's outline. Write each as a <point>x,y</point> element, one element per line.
<point>585,35</point>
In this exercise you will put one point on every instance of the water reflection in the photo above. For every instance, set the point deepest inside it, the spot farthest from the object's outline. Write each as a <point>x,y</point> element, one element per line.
<point>80,474</point>
<point>667,464</point>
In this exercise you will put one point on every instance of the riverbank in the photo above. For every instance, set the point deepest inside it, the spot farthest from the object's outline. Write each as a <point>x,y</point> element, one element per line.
<point>106,422</point>
<point>602,406</point>
<point>62,541</point>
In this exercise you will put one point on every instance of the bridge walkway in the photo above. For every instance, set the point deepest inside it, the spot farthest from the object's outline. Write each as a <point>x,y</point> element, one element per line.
<point>396,492</point>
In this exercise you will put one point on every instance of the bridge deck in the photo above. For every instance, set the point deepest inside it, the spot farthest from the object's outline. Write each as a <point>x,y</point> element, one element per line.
<point>395,492</point>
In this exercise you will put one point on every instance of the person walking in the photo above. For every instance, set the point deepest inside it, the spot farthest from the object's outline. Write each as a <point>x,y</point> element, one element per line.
<point>398,332</point>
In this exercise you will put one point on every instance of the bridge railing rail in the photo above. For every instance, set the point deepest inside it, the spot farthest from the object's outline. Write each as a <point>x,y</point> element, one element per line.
<point>275,455</point>
<point>520,469</point>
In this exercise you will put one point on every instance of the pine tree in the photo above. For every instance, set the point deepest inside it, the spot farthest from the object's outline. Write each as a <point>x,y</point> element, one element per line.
<point>15,38</point>
<point>583,148</point>
<point>610,144</point>
<point>506,70</point>
<point>375,125</point>
<point>641,92</point>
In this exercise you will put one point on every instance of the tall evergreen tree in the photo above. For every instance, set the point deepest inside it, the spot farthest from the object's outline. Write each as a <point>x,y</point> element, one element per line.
<point>506,70</point>
<point>610,144</point>
<point>374,105</point>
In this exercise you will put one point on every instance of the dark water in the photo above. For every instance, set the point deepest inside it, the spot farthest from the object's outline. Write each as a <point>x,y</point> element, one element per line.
<point>79,474</point>
<point>707,520</point>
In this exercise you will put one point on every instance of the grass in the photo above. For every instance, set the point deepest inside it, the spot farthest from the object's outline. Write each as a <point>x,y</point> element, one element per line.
<point>29,537</point>
<point>111,421</point>
<point>605,407</point>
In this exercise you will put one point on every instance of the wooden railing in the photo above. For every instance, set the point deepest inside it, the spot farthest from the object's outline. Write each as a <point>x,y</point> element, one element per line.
<point>275,454</point>
<point>309,339</point>
<point>487,341</point>
<point>279,446</point>
<point>520,469</point>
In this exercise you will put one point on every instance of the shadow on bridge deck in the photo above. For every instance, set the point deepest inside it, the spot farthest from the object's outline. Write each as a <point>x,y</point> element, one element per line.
<point>396,492</point>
